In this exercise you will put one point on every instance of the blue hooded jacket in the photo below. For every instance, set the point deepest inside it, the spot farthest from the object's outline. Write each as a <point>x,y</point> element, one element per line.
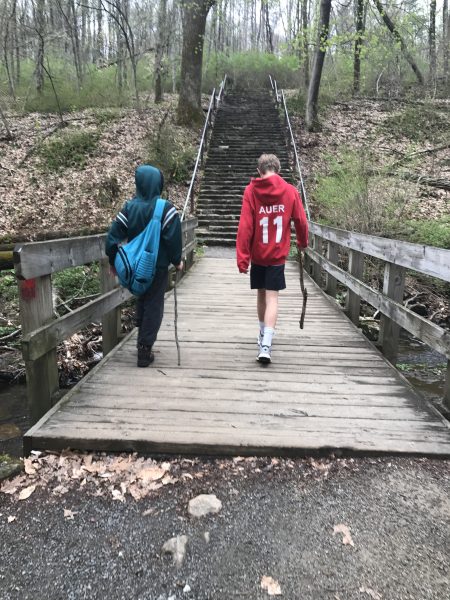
<point>136,214</point>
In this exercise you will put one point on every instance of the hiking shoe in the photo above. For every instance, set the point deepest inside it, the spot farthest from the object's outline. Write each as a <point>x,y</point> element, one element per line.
<point>264,354</point>
<point>145,356</point>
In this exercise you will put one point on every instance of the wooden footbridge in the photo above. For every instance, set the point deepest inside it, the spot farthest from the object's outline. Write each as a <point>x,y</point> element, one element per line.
<point>328,389</point>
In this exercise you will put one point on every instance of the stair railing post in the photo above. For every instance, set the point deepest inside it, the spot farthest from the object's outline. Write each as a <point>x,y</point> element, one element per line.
<point>393,287</point>
<point>353,301</point>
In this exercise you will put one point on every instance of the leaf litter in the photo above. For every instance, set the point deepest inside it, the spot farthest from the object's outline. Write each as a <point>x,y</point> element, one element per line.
<point>346,536</point>
<point>271,586</point>
<point>129,476</point>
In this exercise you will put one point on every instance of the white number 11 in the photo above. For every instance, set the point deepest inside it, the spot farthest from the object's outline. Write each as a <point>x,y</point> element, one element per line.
<point>278,221</point>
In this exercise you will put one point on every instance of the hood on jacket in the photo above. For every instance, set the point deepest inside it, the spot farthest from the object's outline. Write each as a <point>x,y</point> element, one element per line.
<point>149,182</point>
<point>269,190</point>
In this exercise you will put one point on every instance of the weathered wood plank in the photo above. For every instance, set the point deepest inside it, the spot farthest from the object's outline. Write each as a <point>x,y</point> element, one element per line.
<point>41,340</point>
<point>33,259</point>
<point>334,393</point>
<point>424,259</point>
<point>393,287</point>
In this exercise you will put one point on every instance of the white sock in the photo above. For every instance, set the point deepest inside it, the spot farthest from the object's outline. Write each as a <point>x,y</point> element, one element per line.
<point>261,328</point>
<point>268,335</point>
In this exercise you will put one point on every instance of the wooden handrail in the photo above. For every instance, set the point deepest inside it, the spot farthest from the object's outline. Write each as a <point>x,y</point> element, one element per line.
<point>398,256</point>
<point>34,263</point>
<point>213,106</point>
<point>428,260</point>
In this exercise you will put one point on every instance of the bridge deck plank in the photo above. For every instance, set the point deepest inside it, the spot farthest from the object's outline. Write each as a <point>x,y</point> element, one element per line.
<point>328,389</point>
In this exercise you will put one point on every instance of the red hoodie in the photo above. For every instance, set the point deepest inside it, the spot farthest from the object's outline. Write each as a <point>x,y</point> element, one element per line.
<point>264,233</point>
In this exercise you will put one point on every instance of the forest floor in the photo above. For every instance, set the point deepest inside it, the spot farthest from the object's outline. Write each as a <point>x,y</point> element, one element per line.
<point>78,525</point>
<point>365,149</point>
<point>75,178</point>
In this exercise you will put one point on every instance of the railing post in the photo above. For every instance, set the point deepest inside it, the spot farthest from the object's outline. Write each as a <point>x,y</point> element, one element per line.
<point>332,256</point>
<point>355,268</point>
<point>36,309</point>
<point>317,269</point>
<point>393,287</point>
<point>111,321</point>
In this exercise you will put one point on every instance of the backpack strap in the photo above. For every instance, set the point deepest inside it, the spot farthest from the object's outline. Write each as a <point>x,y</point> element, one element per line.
<point>159,209</point>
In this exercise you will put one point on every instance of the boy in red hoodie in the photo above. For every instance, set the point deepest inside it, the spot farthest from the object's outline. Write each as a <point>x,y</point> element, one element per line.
<point>264,236</point>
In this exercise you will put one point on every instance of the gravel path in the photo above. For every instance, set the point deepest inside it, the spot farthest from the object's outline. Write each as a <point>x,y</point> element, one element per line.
<point>277,520</point>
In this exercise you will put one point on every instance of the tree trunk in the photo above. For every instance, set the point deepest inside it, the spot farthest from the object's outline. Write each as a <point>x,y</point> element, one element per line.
<point>432,41</point>
<point>305,43</point>
<point>194,13</point>
<point>445,38</point>
<point>312,122</point>
<point>390,25</point>
<point>160,48</point>
<point>99,42</point>
<point>40,27</point>
<point>359,19</point>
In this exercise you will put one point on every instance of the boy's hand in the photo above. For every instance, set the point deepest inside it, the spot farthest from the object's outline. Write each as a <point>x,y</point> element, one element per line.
<point>244,271</point>
<point>112,270</point>
<point>180,266</point>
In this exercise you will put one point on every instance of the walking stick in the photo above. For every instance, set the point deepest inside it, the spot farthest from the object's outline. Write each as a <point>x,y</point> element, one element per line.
<point>177,341</point>
<point>304,290</point>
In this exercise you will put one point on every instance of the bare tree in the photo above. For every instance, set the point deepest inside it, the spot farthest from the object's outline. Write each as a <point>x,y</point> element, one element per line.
<point>432,41</point>
<point>312,122</point>
<point>161,47</point>
<point>445,37</point>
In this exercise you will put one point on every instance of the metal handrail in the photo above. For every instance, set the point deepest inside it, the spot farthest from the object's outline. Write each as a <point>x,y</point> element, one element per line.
<point>294,146</point>
<point>212,108</point>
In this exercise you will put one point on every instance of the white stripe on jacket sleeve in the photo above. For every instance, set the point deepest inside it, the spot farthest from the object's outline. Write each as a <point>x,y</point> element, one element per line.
<point>169,216</point>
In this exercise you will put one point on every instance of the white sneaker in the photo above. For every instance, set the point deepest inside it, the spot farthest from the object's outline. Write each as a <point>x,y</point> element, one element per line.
<point>259,340</point>
<point>264,354</point>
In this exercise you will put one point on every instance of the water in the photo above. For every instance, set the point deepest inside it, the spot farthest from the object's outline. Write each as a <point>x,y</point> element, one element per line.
<point>14,418</point>
<point>423,367</point>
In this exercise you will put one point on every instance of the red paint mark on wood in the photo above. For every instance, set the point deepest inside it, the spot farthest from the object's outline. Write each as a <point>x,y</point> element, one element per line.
<point>28,289</point>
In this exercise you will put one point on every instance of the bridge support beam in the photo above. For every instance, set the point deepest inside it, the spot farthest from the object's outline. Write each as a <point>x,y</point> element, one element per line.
<point>332,255</point>
<point>394,287</point>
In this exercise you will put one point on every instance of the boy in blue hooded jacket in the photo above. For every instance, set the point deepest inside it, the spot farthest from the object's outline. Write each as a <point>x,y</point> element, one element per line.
<point>130,222</point>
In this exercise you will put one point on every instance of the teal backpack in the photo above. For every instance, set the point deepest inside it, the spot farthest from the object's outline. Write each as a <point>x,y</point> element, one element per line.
<point>135,262</point>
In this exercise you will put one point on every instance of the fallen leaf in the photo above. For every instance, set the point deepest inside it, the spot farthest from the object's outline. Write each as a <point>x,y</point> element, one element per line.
<point>69,515</point>
<point>347,538</point>
<point>151,474</point>
<point>11,519</point>
<point>28,466</point>
<point>374,595</point>
<point>271,586</point>
<point>60,489</point>
<point>117,495</point>
<point>26,492</point>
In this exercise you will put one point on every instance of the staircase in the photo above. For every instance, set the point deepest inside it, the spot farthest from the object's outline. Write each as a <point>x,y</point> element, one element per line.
<point>245,127</point>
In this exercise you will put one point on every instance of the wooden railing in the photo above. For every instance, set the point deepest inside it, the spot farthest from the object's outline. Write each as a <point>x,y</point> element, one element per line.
<point>327,243</point>
<point>34,264</point>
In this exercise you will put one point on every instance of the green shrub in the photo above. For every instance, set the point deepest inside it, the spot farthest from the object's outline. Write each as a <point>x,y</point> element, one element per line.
<point>434,232</point>
<point>249,70</point>
<point>8,286</point>
<point>77,282</point>
<point>69,149</point>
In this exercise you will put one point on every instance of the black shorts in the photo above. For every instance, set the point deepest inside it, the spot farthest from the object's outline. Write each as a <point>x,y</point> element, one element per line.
<point>268,278</point>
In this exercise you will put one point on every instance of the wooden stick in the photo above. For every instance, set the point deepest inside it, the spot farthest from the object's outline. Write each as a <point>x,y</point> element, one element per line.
<point>304,291</point>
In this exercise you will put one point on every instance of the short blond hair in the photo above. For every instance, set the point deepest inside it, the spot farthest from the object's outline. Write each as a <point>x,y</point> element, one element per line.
<point>268,162</point>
